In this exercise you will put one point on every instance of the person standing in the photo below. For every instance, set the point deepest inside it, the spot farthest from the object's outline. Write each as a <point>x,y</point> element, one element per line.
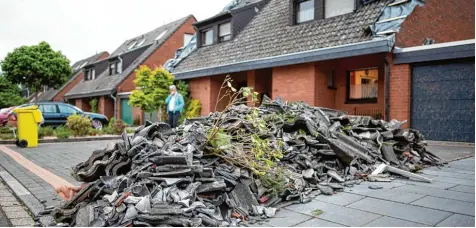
<point>175,105</point>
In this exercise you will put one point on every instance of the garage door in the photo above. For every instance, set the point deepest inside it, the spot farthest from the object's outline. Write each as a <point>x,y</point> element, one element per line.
<point>442,106</point>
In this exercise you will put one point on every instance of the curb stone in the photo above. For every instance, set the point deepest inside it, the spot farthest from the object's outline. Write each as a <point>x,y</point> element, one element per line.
<point>17,214</point>
<point>82,139</point>
<point>22,193</point>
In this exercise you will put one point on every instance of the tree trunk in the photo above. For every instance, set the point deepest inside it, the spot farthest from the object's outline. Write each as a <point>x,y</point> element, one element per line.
<point>160,113</point>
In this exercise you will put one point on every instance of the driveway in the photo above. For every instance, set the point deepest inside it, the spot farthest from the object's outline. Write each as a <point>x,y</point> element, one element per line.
<point>448,201</point>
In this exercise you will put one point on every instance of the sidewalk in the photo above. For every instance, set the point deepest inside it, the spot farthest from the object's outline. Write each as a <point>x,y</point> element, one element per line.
<point>11,211</point>
<point>448,201</point>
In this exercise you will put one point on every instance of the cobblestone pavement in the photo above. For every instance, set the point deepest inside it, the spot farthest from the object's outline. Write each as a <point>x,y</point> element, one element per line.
<point>12,212</point>
<point>448,201</point>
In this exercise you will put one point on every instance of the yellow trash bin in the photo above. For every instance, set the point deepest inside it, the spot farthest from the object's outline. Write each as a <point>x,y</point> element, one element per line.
<point>28,119</point>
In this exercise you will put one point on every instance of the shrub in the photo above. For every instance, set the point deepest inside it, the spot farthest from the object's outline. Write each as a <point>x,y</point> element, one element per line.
<point>193,109</point>
<point>79,125</point>
<point>45,131</point>
<point>7,136</point>
<point>115,127</point>
<point>94,105</point>
<point>62,132</point>
<point>93,132</point>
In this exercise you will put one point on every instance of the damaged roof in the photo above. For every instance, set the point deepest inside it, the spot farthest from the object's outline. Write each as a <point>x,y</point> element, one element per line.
<point>269,34</point>
<point>76,71</point>
<point>104,83</point>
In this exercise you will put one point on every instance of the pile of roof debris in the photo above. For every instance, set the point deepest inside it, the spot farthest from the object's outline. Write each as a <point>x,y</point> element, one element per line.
<point>196,176</point>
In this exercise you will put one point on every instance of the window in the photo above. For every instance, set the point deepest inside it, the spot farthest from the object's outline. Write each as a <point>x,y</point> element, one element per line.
<point>132,44</point>
<point>187,38</point>
<point>161,35</point>
<point>207,37</point>
<point>338,7</point>
<point>330,80</point>
<point>224,32</point>
<point>304,11</point>
<point>67,110</point>
<point>115,67</point>
<point>363,85</point>
<point>90,74</point>
<point>48,108</point>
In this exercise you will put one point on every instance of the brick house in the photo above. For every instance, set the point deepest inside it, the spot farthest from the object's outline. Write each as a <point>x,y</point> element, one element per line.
<point>351,55</point>
<point>51,94</point>
<point>110,80</point>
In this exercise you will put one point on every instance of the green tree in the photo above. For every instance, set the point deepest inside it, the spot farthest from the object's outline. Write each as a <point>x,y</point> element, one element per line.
<point>36,66</point>
<point>9,93</point>
<point>152,88</point>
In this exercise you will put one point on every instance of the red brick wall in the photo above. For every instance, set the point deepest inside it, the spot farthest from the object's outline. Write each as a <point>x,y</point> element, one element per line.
<point>106,106</point>
<point>165,52</point>
<point>400,92</point>
<point>325,97</point>
<point>443,21</point>
<point>341,70</point>
<point>200,88</point>
<point>295,83</point>
<point>60,95</point>
<point>83,104</point>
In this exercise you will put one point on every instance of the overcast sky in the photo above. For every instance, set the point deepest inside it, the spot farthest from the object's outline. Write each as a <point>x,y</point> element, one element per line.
<point>81,28</point>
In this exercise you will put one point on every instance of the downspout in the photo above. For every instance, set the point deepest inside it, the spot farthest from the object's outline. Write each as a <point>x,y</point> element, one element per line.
<point>387,90</point>
<point>110,95</point>
<point>114,99</point>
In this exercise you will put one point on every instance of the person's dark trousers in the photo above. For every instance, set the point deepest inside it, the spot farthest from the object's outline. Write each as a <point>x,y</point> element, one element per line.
<point>173,118</point>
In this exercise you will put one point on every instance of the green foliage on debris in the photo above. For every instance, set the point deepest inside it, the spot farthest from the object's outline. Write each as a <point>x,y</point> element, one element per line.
<point>94,105</point>
<point>79,125</point>
<point>45,131</point>
<point>36,66</point>
<point>193,109</point>
<point>9,94</point>
<point>62,132</point>
<point>317,212</point>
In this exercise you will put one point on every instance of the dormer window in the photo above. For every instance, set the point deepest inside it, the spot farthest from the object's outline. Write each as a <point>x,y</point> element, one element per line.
<point>224,32</point>
<point>207,37</point>
<point>115,67</point>
<point>141,42</point>
<point>304,11</point>
<point>89,74</point>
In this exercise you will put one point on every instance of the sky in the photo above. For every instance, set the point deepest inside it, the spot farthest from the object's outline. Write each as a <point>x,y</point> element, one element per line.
<point>81,28</point>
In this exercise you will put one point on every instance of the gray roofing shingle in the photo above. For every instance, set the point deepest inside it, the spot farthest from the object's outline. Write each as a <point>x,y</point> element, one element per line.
<point>105,83</point>
<point>269,34</point>
<point>51,93</point>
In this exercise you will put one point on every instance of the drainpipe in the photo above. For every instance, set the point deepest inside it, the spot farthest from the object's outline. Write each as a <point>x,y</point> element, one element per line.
<point>387,90</point>
<point>114,99</point>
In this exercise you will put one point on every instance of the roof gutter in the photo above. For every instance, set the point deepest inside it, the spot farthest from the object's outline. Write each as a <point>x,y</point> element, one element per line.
<point>434,52</point>
<point>378,45</point>
<point>93,94</point>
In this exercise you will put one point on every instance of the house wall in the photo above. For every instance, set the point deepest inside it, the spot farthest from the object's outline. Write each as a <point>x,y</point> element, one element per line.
<point>200,88</point>
<point>443,21</point>
<point>83,104</point>
<point>60,95</point>
<point>106,106</point>
<point>295,83</point>
<point>165,52</point>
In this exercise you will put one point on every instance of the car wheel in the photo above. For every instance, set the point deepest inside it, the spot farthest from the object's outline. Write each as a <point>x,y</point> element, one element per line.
<point>97,124</point>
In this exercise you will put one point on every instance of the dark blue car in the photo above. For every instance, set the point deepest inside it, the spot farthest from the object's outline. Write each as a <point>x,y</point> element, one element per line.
<point>56,114</point>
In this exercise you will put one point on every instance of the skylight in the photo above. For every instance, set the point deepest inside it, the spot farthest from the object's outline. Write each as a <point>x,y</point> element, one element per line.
<point>161,35</point>
<point>132,44</point>
<point>82,65</point>
<point>141,42</point>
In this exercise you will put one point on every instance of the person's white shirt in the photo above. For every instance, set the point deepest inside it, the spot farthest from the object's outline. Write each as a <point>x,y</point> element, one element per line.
<point>172,102</point>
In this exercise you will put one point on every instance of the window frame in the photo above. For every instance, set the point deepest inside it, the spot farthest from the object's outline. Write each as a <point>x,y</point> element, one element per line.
<point>349,100</point>
<point>324,10</point>
<point>296,7</point>
<point>114,66</point>
<point>203,36</point>
<point>42,108</point>
<point>229,35</point>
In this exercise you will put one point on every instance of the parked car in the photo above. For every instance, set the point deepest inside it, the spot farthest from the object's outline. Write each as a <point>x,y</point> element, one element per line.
<point>57,113</point>
<point>4,115</point>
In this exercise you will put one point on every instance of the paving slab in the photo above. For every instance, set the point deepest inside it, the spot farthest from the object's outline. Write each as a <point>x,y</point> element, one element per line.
<point>385,194</point>
<point>457,220</point>
<point>447,194</point>
<point>386,221</point>
<point>434,184</point>
<point>448,174</point>
<point>341,198</point>
<point>463,188</point>
<point>22,222</point>
<point>398,210</point>
<point>316,222</point>
<point>451,170</point>
<point>455,206</point>
<point>335,213</point>
<point>452,180</point>
<point>285,218</point>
